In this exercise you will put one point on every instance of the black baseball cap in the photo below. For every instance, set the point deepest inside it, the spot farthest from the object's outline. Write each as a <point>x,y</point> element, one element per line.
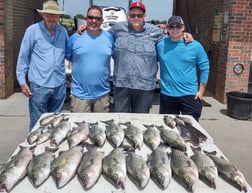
<point>175,19</point>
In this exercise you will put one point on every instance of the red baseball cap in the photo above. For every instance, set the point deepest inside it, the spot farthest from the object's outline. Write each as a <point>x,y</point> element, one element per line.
<point>137,5</point>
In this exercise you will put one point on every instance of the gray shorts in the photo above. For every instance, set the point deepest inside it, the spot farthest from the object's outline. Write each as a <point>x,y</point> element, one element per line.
<point>90,105</point>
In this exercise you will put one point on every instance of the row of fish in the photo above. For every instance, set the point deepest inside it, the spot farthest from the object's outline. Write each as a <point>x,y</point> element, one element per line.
<point>121,162</point>
<point>56,128</point>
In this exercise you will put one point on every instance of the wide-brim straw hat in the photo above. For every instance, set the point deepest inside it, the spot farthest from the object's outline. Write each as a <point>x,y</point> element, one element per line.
<point>51,7</point>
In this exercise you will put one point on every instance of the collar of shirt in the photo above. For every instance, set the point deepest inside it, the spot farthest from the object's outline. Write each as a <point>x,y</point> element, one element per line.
<point>131,28</point>
<point>42,26</point>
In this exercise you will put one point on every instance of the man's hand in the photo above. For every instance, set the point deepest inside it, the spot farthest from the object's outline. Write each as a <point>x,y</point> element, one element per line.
<point>187,37</point>
<point>201,91</point>
<point>26,90</point>
<point>162,26</point>
<point>81,29</point>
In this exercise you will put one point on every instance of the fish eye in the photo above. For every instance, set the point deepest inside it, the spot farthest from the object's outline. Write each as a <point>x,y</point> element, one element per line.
<point>2,178</point>
<point>238,182</point>
<point>85,176</point>
<point>208,176</point>
<point>160,175</point>
<point>138,176</point>
<point>115,176</point>
<point>58,175</point>
<point>187,179</point>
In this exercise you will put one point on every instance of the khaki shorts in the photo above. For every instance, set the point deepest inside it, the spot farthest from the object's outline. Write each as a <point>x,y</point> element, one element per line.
<point>93,105</point>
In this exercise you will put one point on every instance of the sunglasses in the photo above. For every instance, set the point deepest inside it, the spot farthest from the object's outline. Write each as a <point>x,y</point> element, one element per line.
<point>174,26</point>
<point>48,15</point>
<point>133,15</point>
<point>94,18</point>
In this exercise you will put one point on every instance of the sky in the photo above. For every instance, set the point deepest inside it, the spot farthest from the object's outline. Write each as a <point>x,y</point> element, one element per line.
<point>155,9</point>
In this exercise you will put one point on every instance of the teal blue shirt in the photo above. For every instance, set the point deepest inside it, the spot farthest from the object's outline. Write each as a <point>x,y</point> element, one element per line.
<point>179,62</point>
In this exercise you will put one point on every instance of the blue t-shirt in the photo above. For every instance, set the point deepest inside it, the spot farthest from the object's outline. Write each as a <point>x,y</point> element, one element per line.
<point>179,62</point>
<point>90,56</point>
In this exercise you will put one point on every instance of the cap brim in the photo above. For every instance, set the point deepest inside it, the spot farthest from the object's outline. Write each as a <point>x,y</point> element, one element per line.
<point>175,22</point>
<point>51,11</point>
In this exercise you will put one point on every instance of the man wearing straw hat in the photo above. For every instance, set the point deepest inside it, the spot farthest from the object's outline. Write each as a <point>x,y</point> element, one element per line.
<point>41,59</point>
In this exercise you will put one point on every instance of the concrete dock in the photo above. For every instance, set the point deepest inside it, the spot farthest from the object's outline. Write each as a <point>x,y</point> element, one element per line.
<point>232,136</point>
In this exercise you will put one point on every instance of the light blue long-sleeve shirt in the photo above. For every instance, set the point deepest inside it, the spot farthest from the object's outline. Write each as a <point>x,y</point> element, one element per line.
<point>179,62</point>
<point>42,56</point>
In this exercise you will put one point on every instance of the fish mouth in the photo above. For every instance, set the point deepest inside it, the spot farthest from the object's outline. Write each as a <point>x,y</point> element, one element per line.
<point>165,184</point>
<point>138,146</point>
<point>213,184</point>
<point>53,143</point>
<point>87,186</point>
<point>244,188</point>
<point>3,188</point>
<point>162,184</point>
<point>120,185</point>
<point>144,183</point>
<point>192,188</point>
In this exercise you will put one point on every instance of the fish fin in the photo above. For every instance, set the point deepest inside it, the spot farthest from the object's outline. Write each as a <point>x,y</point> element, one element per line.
<point>210,153</point>
<point>65,119</point>
<point>159,127</point>
<point>89,146</point>
<point>127,148</point>
<point>108,121</point>
<point>126,123</point>
<point>195,149</point>
<point>2,167</point>
<point>79,123</point>
<point>148,126</point>
<point>95,123</point>
<point>51,149</point>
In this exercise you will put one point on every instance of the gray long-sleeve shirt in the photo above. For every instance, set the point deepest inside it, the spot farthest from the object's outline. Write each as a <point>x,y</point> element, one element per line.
<point>135,57</point>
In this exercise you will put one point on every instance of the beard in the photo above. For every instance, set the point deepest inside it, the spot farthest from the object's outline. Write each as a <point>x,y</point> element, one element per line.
<point>94,28</point>
<point>50,26</point>
<point>136,24</point>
